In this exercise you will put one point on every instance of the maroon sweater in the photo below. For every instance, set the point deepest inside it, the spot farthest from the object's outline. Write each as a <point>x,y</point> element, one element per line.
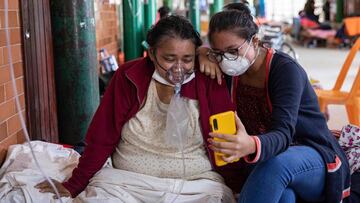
<point>122,100</point>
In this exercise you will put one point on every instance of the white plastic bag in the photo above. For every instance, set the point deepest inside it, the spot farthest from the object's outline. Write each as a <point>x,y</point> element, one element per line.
<point>177,122</point>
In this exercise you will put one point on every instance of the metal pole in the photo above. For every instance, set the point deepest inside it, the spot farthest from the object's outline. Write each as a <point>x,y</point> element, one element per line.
<point>75,61</point>
<point>216,6</point>
<point>194,14</point>
<point>133,28</point>
<point>150,13</point>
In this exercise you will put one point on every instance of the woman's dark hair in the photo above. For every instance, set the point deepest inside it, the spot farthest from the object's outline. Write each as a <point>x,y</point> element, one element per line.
<point>164,11</point>
<point>235,17</point>
<point>173,26</point>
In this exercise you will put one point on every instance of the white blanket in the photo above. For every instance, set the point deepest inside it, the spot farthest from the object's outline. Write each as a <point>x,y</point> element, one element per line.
<point>19,175</point>
<point>113,185</point>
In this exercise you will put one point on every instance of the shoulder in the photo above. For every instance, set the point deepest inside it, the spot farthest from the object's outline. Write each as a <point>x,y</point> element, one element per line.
<point>283,66</point>
<point>201,76</point>
<point>207,81</point>
<point>286,75</point>
<point>281,58</point>
<point>138,62</point>
<point>135,68</point>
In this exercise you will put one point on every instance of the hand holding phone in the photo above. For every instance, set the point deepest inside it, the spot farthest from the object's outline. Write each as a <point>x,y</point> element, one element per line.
<point>222,123</point>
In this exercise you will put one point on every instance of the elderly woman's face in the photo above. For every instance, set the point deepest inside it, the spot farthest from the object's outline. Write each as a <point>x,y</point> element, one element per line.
<point>171,51</point>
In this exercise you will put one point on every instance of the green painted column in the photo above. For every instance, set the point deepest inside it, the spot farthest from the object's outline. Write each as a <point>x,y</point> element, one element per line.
<point>339,10</point>
<point>133,28</point>
<point>216,6</point>
<point>75,61</point>
<point>150,13</point>
<point>168,3</point>
<point>194,14</point>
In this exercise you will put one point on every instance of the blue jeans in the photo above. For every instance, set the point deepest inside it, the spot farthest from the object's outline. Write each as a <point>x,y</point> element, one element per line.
<point>297,172</point>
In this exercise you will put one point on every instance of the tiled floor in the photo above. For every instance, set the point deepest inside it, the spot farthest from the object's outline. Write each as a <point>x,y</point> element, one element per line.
<point>324,65</point>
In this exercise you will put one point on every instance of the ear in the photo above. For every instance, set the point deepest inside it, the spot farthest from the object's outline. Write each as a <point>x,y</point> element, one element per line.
<point>151,52</point>
<point>256,41</point>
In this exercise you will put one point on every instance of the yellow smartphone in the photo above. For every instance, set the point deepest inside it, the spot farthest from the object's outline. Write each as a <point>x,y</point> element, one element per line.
<point>222,123</point>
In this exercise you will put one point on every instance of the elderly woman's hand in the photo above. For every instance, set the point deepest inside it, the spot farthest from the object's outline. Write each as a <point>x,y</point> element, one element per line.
<point>236,146</point>
<point>208,67</point>
<point>46,187</point>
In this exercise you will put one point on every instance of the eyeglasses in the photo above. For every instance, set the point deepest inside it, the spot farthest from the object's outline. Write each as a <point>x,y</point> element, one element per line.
<point>218,56</point>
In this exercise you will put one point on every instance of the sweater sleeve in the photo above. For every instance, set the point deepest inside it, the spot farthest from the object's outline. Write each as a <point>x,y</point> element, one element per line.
<point>286,84</point>
<point>102,136</point>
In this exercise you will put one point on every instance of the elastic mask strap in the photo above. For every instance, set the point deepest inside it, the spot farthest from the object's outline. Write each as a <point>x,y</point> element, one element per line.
<point>247,49</point>
<point>257,54</point>
<point>157,62</point>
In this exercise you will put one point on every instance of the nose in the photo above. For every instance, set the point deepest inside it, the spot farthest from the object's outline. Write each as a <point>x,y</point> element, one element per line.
<point>177,68</point>
<point>176,73</point>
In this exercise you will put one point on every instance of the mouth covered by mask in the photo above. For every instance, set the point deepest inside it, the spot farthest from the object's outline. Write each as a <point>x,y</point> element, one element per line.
<point>177,120</point>
<point>175,76</point>
<point>238,66</point>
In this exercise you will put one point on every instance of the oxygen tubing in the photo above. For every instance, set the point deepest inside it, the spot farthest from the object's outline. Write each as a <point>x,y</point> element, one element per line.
<point>22,120</point>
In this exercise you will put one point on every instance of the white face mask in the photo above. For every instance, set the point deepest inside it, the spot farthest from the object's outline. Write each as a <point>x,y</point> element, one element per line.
<point>238,66</point>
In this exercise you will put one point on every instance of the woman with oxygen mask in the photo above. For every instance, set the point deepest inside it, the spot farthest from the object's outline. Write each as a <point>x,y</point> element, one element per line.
<point>177,120</point>
<point>154,121</point>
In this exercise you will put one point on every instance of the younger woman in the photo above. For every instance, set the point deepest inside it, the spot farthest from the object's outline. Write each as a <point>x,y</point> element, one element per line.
<point>283,137</point>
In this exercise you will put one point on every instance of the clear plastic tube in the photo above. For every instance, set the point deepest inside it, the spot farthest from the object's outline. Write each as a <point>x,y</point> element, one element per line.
<point>181,148</point>
<point>184,172</point>
<point>22,120</point>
